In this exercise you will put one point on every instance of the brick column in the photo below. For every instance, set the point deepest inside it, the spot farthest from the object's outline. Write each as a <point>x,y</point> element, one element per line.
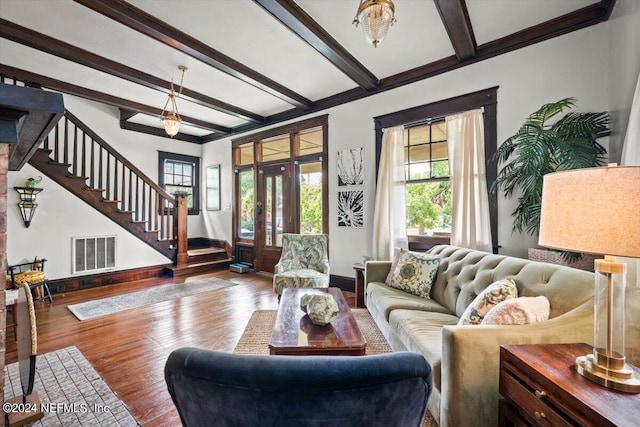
<point>4,162</point>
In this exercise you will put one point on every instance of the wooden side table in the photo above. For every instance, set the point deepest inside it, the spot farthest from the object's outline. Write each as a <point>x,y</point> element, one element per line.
<point>541,387</point>
<point>359,288</point>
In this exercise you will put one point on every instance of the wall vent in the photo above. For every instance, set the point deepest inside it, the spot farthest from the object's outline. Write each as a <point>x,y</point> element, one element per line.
<point>93,254</point>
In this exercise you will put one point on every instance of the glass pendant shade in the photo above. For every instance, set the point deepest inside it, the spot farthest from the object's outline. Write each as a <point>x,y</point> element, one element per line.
<point>171,118</point>
<point>375,16</point>
<point>171,123</point>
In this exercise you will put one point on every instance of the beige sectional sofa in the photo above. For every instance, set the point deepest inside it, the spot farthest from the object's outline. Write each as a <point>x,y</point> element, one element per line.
<point>465,359</point>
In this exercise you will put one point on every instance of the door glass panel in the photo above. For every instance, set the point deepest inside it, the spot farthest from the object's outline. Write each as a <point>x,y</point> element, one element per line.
<point>310,180</point>
<point>275,149</point>
<point>244,154</point>
<point>268,202</point>
<point>246,201</point>
<point>278,211</point>
<point>310,142</point>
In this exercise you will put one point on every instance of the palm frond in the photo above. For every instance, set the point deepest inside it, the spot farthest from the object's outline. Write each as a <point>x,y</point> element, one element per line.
<point>539,148</point>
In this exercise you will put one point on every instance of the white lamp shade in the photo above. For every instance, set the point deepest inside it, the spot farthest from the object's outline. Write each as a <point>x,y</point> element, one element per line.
<point>594,210</point>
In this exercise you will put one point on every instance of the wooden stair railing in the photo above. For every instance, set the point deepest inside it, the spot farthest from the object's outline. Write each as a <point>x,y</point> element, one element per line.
<point>78,159</point>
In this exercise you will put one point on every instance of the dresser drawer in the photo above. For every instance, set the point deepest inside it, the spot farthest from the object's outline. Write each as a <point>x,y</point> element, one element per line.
<point>535,405</point>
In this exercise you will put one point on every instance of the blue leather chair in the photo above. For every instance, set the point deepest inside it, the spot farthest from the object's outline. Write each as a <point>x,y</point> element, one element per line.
<point>221,389</point>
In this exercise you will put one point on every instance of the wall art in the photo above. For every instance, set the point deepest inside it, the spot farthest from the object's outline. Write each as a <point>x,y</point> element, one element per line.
<point>350,166</point>
<point>351,209</point>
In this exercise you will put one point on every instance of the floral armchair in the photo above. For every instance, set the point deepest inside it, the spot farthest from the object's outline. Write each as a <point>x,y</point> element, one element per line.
<point>304,262</point>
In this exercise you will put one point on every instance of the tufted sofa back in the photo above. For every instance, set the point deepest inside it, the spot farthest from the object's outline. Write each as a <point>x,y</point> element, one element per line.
<point>465,273</point>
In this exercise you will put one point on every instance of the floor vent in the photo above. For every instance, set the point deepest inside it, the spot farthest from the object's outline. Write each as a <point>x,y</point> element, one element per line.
<point>93,254</point>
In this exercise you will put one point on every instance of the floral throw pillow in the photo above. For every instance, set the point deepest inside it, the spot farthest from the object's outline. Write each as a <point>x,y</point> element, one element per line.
<point>519,311</point>
<point>415,273</point>
<point>493,295</point>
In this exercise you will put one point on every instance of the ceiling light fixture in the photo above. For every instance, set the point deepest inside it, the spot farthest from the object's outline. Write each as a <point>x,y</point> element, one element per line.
<point>376,16</point>
<point>171,119</point>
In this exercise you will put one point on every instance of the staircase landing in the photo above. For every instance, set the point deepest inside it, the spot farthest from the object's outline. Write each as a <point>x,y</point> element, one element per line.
<point>201,260</point>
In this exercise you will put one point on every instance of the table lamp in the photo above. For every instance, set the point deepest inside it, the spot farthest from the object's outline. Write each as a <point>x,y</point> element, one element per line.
<point>597,210</point>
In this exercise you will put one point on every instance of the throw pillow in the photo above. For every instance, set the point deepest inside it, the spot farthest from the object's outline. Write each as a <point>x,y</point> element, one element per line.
<point>495,293</point>
<point>415,273</point>
<point>518,311</point>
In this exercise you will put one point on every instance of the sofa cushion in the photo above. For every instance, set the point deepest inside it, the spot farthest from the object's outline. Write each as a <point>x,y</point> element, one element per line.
<point>414,273</point>
<point>518,311</point>
<point>494,294</point>
<point>385,299</point>
<point>421,331</point>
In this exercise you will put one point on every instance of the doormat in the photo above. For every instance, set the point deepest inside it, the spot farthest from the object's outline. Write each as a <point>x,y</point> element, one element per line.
<point>102,307</point>
<point>71,392</point>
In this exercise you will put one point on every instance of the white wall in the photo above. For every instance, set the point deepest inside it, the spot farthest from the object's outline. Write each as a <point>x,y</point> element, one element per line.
<point>571,65</point>
<point>61,215</point>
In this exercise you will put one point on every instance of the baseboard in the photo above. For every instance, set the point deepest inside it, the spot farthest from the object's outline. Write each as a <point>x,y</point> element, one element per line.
<point>345,283</point>
<point>75,283</point>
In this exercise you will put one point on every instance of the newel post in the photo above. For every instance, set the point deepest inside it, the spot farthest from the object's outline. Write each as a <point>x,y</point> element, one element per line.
<point>180,227</point>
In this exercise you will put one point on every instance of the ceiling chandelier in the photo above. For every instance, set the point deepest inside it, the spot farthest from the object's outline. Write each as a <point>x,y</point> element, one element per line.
<point>376,16</point>
<point>171,119</point>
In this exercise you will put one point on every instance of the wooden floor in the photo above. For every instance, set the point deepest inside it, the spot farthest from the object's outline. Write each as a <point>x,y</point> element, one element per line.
<point>129,349</point>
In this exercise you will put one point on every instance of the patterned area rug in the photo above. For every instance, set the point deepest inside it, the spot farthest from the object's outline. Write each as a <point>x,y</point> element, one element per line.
<point>255,339</point>
<point>71,392</point>
<point>102,307</point>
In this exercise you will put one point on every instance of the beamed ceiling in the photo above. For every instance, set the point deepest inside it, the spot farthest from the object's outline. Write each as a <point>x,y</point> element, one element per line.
<point>256,63</point>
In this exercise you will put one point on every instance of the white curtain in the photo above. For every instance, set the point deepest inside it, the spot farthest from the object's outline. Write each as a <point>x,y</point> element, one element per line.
<point>389,217</point>
<point>470,226</point>
<point>631,157</point>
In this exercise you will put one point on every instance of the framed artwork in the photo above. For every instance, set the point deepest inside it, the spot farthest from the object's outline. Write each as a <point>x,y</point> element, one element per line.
<point>213,188</point>
<point>351,209</point>
<point>350,167</point>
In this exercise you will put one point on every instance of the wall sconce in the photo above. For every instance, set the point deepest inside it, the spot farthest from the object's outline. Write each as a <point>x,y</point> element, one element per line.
<point>27,203</point>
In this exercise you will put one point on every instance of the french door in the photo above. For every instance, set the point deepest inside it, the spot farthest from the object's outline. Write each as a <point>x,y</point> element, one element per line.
<point>273,214</point>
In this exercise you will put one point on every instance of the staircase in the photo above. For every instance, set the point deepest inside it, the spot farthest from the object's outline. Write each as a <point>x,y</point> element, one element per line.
<point>83,163</point>
<point>203,256</point>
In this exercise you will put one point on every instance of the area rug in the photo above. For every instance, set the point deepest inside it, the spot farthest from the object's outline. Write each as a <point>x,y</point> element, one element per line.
<point>102,307</point>
<point>71,392</point>
<point>255,339</point>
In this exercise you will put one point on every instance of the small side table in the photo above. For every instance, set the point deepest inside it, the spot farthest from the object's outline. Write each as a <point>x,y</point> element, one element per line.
<point>541,387</point>
<point>359,288</point>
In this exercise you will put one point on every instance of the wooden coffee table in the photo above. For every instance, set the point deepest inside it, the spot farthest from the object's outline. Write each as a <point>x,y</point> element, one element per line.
<point>295,334</point>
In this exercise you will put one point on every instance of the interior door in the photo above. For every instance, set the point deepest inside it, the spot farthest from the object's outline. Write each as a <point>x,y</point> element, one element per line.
<point>273,214</point>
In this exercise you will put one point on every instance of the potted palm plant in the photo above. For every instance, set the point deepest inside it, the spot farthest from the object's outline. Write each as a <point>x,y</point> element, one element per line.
<point>542,146</point>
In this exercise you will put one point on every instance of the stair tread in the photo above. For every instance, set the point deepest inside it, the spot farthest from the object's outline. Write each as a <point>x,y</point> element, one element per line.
<point>110,201</point>
<point>141,221</point>
<point>199,264</point>
<point>97,190</point>
<point>205,251</point>
<point>78,177</point>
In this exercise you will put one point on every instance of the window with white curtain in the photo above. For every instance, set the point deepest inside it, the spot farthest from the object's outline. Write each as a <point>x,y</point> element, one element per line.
<point>428,197</point>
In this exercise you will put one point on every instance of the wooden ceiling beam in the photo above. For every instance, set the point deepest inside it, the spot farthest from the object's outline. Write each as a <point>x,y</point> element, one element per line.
<point>300,23</point>
<point>138,20</point>
<point>44,43</point>
<point>455,18</point>
<point>582,18</point>
<point>93,95</point>
<point>150,130</point>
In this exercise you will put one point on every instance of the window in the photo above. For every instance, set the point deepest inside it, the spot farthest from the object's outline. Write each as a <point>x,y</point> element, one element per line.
<point>213,188</point>
<point>310,188</point>
<point>427,189</point>
<point>426,164</point>
<point>246,200</point>
<point>179,172</point>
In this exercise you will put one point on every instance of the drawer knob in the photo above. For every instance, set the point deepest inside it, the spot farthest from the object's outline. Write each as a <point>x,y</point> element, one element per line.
<point>540,394</point>
<point>540,415</point>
